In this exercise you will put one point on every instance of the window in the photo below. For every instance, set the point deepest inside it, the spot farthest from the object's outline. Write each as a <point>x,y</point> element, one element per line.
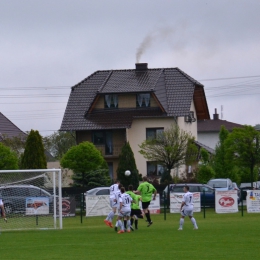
<point>143,100</point>
<point>154,169</point>
<point>103,192</point>
<point>152,133</point>
<point>103,138</point>
<point>111,101</point>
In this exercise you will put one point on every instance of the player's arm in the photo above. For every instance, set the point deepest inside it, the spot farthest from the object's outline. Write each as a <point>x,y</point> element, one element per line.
<point>138,191</point>
<point>182,204</point>
<point>154,194</point>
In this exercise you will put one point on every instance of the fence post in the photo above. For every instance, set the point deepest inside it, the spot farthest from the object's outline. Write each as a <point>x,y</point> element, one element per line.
<point>242,205</point>
<point>164,204</point>
<point>204,202</point>
<point>81,206</point>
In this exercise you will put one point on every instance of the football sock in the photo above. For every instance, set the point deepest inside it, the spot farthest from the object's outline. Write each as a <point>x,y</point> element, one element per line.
<point>110,216</point>
<point>136,223</point>
<point>128,224</point>
<point>181,222</point>
<point>120,224</point>
<point>148,216</point>
<point>132,221</point>
<point>117,224</point>
<point>125,223</point>
<point>193,222</point>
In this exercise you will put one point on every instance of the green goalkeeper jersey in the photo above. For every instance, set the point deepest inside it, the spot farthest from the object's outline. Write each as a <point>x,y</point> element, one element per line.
<point>147,190</point>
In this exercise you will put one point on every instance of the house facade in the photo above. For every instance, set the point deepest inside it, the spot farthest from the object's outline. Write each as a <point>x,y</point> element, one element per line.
<point>208,130</point>
<point>110,108</point>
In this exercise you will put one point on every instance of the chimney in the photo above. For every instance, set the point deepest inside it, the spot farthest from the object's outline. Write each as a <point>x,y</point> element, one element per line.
<point>216,116</point>
<point>141,66</point>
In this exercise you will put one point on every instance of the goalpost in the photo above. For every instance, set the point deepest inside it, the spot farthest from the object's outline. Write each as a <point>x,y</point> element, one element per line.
<point>32,199</point>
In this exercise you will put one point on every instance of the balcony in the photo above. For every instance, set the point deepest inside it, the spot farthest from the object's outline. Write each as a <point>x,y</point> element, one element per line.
<point>110,150</point>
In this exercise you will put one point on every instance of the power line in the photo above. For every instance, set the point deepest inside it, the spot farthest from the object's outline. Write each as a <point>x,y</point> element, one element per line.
<point>229,78</point>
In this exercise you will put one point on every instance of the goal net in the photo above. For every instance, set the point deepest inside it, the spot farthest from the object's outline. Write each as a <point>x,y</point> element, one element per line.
<point>32,199</point>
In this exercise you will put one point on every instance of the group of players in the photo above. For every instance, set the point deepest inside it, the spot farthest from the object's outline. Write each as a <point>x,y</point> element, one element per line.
<point>127,204</point>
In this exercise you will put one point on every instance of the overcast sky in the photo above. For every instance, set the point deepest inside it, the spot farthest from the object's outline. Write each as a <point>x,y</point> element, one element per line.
<point>47,46</point>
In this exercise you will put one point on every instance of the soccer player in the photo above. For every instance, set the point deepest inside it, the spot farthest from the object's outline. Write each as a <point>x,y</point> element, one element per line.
<point>114,189</point>
<point>124,210</point>
<point>135,209</point>
<point>187,208</point>
<point>2,210</point>
<point>147,191</point>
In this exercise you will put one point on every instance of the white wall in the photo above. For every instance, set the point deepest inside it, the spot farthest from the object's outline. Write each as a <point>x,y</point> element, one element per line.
<point>137,134</point>
<point>209,139</point>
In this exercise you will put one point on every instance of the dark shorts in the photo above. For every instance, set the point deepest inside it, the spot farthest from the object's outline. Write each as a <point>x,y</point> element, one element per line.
<point>145,205</point>
<point>136,212</point>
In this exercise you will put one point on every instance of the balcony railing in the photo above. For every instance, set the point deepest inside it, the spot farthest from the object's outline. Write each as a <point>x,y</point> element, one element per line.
<point>110,150</point>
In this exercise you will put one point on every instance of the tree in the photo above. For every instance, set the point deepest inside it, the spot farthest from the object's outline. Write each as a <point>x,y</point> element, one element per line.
<point>88,165</point>
<point>127,162</point>
<point>243,147</point>
<point>59,143</point>
<point>15,143</point>
<point>33,156</point>
<point>8,158</point>
<point>205,171</point>
<point>222,166</point>
<point>168,149</point>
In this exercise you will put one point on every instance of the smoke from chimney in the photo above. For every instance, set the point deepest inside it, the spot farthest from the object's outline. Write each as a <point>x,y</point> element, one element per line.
<point>160,34</point>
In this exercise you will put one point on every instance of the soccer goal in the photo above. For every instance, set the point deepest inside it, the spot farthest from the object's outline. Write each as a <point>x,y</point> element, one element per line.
<point>32,199</point>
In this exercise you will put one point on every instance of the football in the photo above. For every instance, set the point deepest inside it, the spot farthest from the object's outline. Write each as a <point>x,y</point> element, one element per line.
<point>127,173</point>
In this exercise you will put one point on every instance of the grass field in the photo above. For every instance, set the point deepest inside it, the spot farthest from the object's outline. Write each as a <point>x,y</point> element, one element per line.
<point>222,236</point>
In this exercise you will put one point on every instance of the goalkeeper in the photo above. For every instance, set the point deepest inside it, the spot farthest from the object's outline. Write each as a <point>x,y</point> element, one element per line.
<point>2,209</point>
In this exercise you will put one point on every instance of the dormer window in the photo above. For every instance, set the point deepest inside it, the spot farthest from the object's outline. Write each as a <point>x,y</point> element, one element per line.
<point>111,101</point>
<point>143,100</point>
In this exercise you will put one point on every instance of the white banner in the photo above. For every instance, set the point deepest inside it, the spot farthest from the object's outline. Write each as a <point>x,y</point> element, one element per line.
<point>226,201</point>
<point>100,205</point>
<point>253,201</point>
<point>97,205</point>
<point>176,199</point>
<point>154,206</point>
<point>37,206</point>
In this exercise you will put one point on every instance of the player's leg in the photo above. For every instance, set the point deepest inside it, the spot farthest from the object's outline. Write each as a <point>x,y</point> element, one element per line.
<point>128,221</point>
<point>145,206</point>
<point>183,214</point>
<point>110,216</point>
<point>120,224</point>
<point>193,221</point>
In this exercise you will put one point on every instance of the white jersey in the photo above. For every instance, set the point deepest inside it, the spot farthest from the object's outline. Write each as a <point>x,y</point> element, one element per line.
<point>1,202</point>
<point>117,196</point>
<point>126,202</point>
<point>113,190</point>
<point>188,200</point>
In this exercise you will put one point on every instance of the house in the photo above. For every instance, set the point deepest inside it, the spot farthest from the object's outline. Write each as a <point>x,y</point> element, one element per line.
<point>8,129</point>
<point>208,130</point>
<point>112,107</point>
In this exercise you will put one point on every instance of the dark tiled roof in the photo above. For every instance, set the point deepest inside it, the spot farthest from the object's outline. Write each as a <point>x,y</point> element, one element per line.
<point>118,118</point>
<point>173,89</point>
<point>7,128</point>
<point>215,125</point>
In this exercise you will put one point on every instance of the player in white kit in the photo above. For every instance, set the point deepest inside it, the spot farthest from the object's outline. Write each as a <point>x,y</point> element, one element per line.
<point>187,208</point>
<point>2,210</point>
<point>114,204</point>
<point>124,210</point>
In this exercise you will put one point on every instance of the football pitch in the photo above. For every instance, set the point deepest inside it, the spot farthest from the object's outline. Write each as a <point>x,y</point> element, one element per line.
<point>220,236</point>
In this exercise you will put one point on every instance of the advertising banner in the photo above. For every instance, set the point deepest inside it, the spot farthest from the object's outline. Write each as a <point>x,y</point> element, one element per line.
<point>253,201</point>
<point>176,199</point>
<point>226,201</point>
<point>100,205</point>
<point>37,206</point>
<point>154,206</point>
<point>68,207</point>
<point>97,205</point>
